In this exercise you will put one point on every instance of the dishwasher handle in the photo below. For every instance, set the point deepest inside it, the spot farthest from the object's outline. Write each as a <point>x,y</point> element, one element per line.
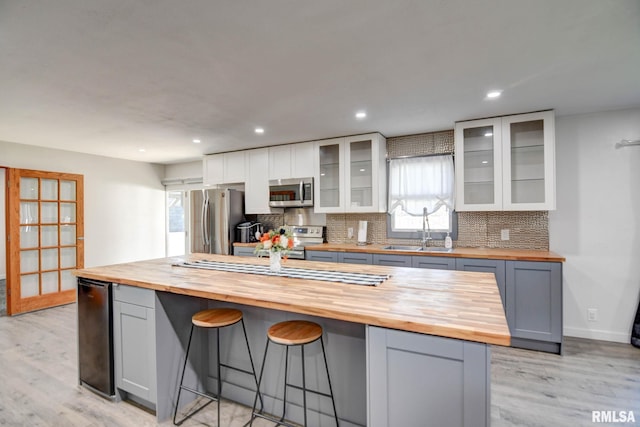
<point>82,281</point>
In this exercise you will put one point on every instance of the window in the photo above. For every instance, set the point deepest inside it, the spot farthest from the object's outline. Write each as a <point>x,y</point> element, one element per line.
<point>414,184</point>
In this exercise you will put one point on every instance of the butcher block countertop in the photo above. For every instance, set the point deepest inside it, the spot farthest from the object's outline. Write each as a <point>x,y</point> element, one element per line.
<point>453,304</point>
<point>486,253</point>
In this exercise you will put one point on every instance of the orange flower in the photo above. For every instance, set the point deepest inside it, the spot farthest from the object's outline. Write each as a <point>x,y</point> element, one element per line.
<point>264,237</point>
<point>290,243</point>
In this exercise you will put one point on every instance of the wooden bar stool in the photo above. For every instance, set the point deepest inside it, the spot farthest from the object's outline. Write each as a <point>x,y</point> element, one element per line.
<point>293,333</point>
<point>215,318</point>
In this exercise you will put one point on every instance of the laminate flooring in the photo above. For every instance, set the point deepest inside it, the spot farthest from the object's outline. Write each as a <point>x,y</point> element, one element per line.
<point>39,384</point>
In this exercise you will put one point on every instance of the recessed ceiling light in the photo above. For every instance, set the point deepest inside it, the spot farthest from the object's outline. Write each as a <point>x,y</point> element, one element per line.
<point>361,170</point>
<point>142,150</point>
<point>488,134</point>
<point>361,115</point>
<point>494,94</point>
<point>484,162</point>
<point>259,130</point>
<point>322,174</point>
<point>196,141</point>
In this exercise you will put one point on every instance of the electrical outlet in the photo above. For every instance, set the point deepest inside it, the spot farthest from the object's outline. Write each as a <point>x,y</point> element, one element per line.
<point>504,234</point>
<point>350,232</point>
<point>592,314</point>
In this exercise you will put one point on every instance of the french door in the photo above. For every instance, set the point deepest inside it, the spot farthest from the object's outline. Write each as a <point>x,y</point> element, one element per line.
<point>45,218</point>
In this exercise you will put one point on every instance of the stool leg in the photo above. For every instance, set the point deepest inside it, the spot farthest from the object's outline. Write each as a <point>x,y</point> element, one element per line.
<point>255,400</point>
<point>184,368</point>
<point>219,374</point>
<point>326,365</point>
<point>304,388</point>
<point>286,372</point>
<point>253,369</point>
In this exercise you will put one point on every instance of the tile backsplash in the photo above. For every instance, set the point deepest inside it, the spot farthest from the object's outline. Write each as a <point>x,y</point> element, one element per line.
<point>527,229</point>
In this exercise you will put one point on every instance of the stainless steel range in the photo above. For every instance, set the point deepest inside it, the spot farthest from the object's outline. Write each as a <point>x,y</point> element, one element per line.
<point>304,236</point>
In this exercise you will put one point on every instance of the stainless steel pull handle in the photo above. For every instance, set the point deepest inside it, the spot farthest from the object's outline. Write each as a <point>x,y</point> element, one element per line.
<point>301,192</point>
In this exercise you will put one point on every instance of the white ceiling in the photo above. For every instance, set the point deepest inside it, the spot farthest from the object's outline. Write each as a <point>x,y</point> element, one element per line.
<point>111,77</point>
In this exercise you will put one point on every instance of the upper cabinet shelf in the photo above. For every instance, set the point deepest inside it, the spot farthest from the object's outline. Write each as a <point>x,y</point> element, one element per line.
<point>351,174</point>
<point>506,163</point>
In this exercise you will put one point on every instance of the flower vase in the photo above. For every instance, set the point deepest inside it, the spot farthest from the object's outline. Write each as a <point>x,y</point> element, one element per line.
<point>274,262</point>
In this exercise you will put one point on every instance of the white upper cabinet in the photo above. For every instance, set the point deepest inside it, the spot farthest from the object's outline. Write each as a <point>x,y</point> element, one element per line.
<point>225,168</point>
<point>291,161</point>
<point>256,187</point>
<point>506,163</point>
<point>351,174</point>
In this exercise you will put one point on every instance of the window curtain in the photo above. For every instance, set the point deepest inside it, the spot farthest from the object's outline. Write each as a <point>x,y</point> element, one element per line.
<point>419,182</point>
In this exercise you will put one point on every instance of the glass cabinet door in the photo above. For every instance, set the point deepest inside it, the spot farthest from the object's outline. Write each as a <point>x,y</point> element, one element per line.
<point>329,194</point>
<point>478,165</point>
<point>360,178</point>
<point>528,161</point>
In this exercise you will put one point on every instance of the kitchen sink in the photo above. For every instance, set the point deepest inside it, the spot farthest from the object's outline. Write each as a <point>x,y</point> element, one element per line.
<point>402,248</point>
<point>436,249</point>
<point>416,248</point>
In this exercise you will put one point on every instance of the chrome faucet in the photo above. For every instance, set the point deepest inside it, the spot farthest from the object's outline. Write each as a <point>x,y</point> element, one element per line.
<point>426,232</point>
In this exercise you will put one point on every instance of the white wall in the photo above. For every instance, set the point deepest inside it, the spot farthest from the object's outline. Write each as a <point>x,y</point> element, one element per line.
<point>596,224</point>
<point>3,234</point>
<point>124,201</point>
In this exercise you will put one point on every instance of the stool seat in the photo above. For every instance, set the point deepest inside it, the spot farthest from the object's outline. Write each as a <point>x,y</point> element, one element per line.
<point>216,317</point>
<point>294,332</point>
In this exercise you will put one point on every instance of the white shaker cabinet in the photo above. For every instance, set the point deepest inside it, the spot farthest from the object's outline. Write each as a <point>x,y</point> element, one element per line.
<point>225,168</point>
<point>506,163</point>
<point>256,187</point>
<point>351,174</point>
<point>291,161</point>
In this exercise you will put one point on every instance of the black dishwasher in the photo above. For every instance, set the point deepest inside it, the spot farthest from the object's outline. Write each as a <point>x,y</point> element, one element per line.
<point>95,337</point>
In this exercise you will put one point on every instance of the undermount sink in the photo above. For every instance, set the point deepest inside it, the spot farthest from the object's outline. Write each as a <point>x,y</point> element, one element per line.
<point>402,248</point>
<point>436,249</point>
<point>416,248</point>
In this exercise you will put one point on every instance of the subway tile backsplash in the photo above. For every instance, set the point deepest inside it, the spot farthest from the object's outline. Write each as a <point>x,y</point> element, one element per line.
<point>527,229</point>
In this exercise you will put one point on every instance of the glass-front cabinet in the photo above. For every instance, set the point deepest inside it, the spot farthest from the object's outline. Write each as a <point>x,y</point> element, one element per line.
<point>506,163</point>
<point>351,174</point>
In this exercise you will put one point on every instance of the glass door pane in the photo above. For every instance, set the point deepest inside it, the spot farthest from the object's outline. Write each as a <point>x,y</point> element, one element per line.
<point>527,162</point>
<point>329,175</point>
<point>361,175</point>
<point>479,183</point>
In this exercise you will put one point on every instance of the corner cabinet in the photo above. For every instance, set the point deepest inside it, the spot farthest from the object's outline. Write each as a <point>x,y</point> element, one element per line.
<point>350,174</point>
<point>506,163</point>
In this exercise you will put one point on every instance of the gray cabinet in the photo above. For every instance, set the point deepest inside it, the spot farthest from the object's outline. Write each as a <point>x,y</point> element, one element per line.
<point>243,251</point>
<point>134,342</point>
<point>495,266</point>
<point>355,258</point>
<point>323,256</point>
<point>392,260</point>
<point>534,301</point>
<point>424,380</point>
<point>434,262</point>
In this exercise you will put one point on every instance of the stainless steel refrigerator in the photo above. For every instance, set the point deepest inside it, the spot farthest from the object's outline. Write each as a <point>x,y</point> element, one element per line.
<point>214,216</point>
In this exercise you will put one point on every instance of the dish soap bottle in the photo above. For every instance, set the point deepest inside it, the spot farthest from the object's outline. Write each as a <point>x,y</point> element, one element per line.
<point>448,244</point>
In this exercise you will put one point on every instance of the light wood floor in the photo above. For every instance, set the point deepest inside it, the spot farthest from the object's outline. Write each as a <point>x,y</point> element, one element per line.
<point>38,382</point>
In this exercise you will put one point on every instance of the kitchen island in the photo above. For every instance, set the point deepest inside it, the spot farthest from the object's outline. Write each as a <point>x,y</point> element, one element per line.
<point>417,345</point>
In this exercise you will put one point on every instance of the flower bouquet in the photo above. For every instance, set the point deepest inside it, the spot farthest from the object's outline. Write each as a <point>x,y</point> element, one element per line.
<point>278,243</point>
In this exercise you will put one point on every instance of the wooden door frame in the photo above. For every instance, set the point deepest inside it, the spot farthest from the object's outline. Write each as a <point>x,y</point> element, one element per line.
<point>15,304</point>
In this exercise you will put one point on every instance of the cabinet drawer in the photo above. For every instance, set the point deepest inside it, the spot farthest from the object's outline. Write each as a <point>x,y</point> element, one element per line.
<point>433,262</point>
<point>133,295</point>
<point>392,260</point>
<point>321,256</point>
<point>355,258</point>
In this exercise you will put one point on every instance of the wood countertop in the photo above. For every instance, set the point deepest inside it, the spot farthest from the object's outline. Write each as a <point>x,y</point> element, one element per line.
<point>486,253</point>
<point>453,304</point>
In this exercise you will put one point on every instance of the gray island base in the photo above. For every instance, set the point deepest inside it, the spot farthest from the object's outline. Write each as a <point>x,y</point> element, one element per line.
<point>380,377</point>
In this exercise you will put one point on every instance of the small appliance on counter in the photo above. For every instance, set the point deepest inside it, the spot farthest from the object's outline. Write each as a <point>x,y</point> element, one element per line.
<point>248,232</point>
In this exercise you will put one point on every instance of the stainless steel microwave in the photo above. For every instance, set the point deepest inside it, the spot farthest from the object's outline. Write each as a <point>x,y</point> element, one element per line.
<point>296,192</point>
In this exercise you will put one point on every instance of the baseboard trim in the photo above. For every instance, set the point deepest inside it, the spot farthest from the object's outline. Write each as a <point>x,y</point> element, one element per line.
<point>596,334</point>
